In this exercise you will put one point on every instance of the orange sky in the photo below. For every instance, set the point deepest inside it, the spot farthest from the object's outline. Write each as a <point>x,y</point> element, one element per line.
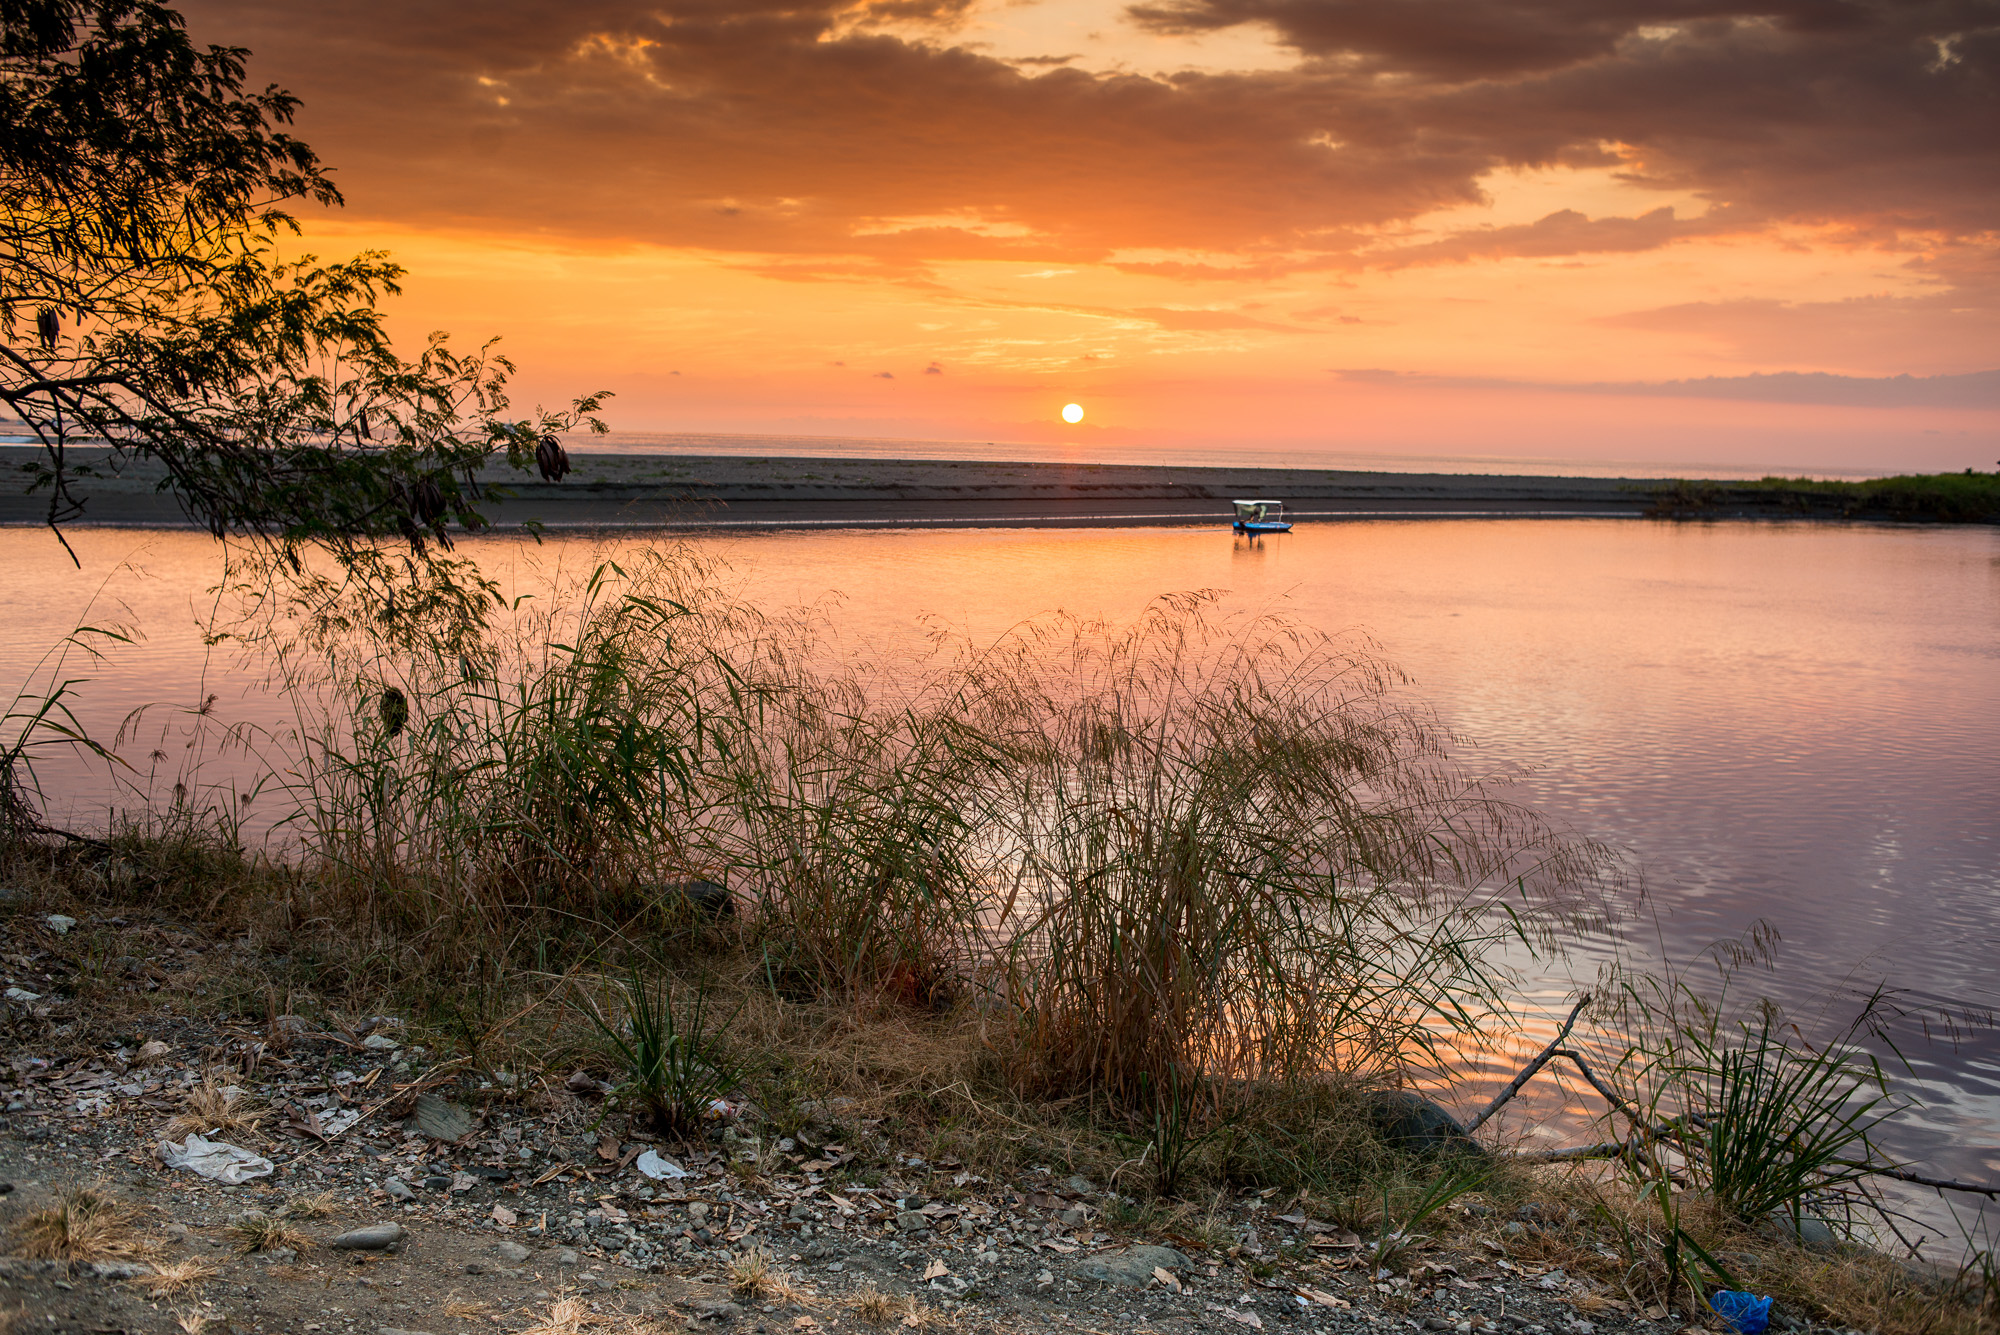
<point>1563,229</point>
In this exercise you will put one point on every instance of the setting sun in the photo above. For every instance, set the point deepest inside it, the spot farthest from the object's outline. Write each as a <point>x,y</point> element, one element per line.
<point>1072,413</point>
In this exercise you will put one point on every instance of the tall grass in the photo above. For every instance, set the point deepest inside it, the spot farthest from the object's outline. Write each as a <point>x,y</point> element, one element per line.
<point>1183,851</point>
<point>549,771</point>
<point>1242,851</point>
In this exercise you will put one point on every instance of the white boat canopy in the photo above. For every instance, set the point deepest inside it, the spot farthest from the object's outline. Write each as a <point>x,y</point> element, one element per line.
<point>1258,510</point>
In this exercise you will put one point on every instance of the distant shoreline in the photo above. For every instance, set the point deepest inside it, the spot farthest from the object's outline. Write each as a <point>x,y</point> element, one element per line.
<point>696,492</point>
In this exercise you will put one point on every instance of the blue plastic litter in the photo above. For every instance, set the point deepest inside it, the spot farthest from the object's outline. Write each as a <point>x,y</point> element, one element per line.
<point>1747,1312</point>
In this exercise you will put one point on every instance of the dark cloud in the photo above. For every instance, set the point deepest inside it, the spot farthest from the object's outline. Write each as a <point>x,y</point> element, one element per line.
<point>1480,39</point>
<point>807,129</point>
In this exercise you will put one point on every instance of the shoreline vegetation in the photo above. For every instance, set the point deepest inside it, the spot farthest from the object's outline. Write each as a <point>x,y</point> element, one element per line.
<point>701,491</point>
<point>1191,907</point>
<point>1930,498</point>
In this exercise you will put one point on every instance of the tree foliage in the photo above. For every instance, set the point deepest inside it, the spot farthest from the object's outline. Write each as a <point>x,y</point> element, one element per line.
<point>146,311</point>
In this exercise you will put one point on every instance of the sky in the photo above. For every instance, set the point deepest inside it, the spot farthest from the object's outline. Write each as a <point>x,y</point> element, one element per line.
<point>1752,232</point>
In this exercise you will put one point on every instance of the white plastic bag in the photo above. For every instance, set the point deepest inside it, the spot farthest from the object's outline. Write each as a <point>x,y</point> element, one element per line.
<point>658,1166</point>
<point>215,1160</point>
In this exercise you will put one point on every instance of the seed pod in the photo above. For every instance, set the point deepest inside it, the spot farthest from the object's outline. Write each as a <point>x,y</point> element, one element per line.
<point>361,419</point>
<point>178,380</point>
<point>48,324</point>
<point>551,459</point>
<point>395,710</point>
<point>427,501</point>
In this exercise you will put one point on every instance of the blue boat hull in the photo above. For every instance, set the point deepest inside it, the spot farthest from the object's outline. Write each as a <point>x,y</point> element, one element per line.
<point>1243,526</point>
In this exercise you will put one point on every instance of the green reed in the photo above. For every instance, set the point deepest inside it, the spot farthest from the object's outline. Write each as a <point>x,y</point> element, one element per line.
<point>1744,1106</point>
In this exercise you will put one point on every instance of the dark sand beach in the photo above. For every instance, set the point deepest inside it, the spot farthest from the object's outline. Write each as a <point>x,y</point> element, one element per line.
<point>698,491</point>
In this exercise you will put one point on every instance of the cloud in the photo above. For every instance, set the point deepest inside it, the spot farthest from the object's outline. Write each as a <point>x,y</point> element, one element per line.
<point>786,129</point>
<point>1978,390</point>
<point>1564,232</point>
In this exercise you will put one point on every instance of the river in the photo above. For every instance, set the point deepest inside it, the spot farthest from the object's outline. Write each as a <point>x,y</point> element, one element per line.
<point>1790,723</point>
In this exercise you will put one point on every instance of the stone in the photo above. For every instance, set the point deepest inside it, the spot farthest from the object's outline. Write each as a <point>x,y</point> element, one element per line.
<point>912,1221</point>
<point>150,1051</point>
<point>114,1269</point>
<point>437,1182</point>
<point>698,1212</point>
<point>373,1238</point>
<point>1074,1217</point>
<point>278,1256</point>
<point>398,1190</point>
<point>380,1043</point>
<point>60,923</point>
<point>702,899</point>
<point>1131,1268</point>
<point>440,1120</point>
<point>1814,1234</point>
<point>567,1256</point>
<point>1415,1123</point>
<point>513,1253</point>
<point>716,1309</point>
<point>398,1330</point>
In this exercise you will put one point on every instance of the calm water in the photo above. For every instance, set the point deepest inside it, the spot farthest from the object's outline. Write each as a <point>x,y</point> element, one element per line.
<point>1799,724</point>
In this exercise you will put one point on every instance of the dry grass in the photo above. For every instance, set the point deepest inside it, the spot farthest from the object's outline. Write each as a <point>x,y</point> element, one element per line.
<point>220,1110</point>
<point>175,1278</point>
<point>464,1309</point>
<point>752,1276</point>
<point>258,1232</point>
<point>871,1304</point>
<point>566,1316</point>
<point>881,1309</point>
<point>313,1205</point>
<point>85,1224</point>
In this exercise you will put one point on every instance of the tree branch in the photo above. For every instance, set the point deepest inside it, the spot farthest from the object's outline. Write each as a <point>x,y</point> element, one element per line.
<point>1528,1071</point>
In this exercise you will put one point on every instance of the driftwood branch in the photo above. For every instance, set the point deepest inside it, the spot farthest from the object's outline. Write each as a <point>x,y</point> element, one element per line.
<point>1528,1071</point>
<point>1610,1096</point>
<point>1991,1193</point>
<point>1671,1130</point>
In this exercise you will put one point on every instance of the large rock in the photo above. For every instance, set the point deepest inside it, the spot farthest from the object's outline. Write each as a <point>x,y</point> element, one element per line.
<point>374,1238</point>
<point>1412,1122</point>
<point>441,1120</point>
<point>513,1253</point>
<point>1133,1267</point>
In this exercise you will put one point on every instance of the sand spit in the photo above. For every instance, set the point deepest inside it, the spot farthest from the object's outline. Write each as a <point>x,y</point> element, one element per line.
<point>699,491</point>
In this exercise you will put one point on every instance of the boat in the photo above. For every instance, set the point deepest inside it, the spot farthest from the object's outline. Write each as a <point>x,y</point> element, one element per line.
<point>1261,517</point>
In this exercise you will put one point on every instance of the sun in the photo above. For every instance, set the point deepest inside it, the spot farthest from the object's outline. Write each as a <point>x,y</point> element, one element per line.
<point>1072,413</point>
